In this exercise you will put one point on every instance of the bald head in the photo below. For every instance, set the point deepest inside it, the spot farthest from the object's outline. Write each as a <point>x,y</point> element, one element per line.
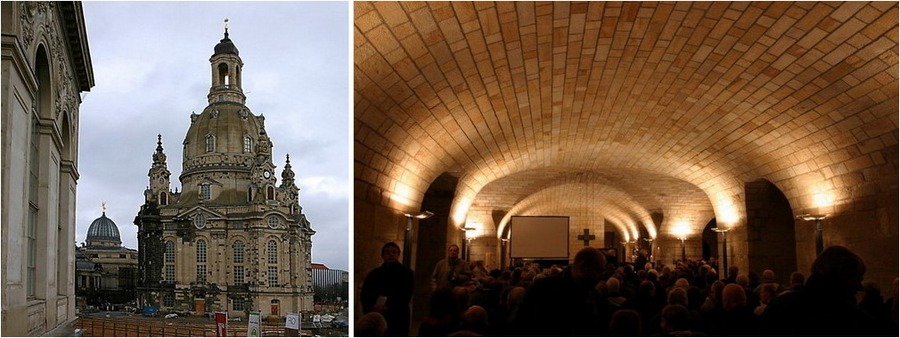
<point>475,315</point>
<point>839,261</point>
<point>588,265</point>
<point>515,297</point>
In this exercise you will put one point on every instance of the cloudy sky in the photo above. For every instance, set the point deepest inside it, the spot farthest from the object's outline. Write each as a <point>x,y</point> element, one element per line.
<point>151,68</point>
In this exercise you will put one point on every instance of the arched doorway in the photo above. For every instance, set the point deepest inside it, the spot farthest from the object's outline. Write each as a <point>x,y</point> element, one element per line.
<point>770,230</point>
<point>275,308</point>
<point>433,235</point>
<point>710,241</point>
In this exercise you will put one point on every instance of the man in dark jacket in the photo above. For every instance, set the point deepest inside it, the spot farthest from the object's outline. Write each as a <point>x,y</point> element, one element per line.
<point>566,304</point>
<point>826,306</point>
<point>388,289</point>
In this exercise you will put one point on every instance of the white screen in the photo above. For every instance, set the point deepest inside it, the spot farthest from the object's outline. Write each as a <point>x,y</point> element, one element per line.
<point>539,237</point>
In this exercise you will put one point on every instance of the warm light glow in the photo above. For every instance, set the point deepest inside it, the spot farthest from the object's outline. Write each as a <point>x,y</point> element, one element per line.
<point>725,210</point>
<point>823,199</point>
<point>681,229</point>
<point>460,210</point>
<point>473,229</point>
<point>401,194</point>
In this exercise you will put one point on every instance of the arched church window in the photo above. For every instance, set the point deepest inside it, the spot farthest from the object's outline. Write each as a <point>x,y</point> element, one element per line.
<point>272,249</point>
<point>210,143</point>
<point>201,251</point>
<point>223,74</point>
<point>163,198</point>
<point>272,275</point>
<point>170,273</point>
<point>33,209</point>
<point>204,191</point>
<point>170,252</point>
<point>238,251</point>
<point>238,274</point>
<point>248,144</point>
<point>43,103</point>
<point>270,192</point>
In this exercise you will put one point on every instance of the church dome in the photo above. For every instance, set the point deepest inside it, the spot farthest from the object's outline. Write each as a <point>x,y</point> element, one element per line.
<point>103,229</point>
<point>224,134</point>
<point>225,46</point>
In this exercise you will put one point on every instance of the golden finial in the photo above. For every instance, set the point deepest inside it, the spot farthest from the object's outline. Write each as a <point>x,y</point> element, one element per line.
<point>103,207</point>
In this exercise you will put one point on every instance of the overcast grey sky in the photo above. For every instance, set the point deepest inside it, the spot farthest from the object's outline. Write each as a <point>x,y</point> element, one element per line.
<point>151,68</point>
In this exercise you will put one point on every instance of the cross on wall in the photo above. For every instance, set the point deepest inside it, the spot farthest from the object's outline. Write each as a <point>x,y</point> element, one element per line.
<point>586,237</point>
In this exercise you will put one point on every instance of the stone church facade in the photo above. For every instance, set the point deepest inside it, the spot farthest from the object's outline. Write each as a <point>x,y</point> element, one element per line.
<point>234,239</point>
<point>46,63</point>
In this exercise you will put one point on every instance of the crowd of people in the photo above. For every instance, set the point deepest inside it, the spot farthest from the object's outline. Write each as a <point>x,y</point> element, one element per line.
<point>594,296</point>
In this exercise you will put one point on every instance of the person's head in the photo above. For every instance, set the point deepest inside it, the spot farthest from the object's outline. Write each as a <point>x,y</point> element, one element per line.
<point>475,318</point>
<point>715,290</point>
<point>602,289</point>
<point>515,297</point>
<point>646,288</point>
<point>682,283</point>
<point>733,271</point>
<point>768,276</point>
<point>390,252</point>
<point>675,317</point>
<point>797,278</point>
<point>612,284</point>
<point>840,264</point>
<point>625,323</point>
<point>743,280</point>
<point>871,289</point>
<point>677,296</point>
<point>588,266</point>
<point>733,295</point>
<point>371,324</point>
<point>767,292</point>
<point>453,251</point>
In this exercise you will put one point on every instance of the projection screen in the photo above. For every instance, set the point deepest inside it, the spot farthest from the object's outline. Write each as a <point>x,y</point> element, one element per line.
<point>539,237</point>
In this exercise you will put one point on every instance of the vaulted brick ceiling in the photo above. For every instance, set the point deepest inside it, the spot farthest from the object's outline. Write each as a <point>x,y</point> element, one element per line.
<point>662,107</point>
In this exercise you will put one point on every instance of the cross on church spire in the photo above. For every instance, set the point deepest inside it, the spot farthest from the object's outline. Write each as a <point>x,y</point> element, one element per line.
<point>586,237</point>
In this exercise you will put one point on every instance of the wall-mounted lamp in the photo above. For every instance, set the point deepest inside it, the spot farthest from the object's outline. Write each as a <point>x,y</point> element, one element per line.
<point>407,241</point>
<point>470,235</point>
<point>818,218</point>
<point>724,233</point>
<point>683,255</point>
<point>650,240</point>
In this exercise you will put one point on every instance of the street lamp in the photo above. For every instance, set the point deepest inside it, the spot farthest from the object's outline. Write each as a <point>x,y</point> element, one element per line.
<point>724,233</point>
<point>818,219</point>
<point>651,248</point>
<point>407,241</point>
<point>683,256</point>
<point>634,249</point>
<point>469,237</point>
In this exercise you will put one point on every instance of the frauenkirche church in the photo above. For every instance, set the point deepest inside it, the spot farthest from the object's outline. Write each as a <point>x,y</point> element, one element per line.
<point>234,239</point>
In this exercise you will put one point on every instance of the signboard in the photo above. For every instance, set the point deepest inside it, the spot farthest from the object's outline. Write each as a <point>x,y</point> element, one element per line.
<point>221,324</point>
<point>292,321</point>
<point>253,325</point>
